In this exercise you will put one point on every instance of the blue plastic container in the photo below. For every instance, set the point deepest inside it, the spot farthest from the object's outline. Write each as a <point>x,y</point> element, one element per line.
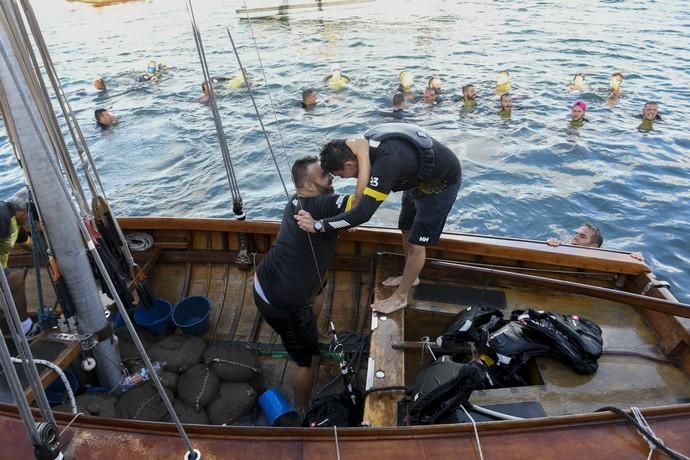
<point>117,320</point>
<point>156,318</point>
<point>191,315</point>
<point>274,405</point>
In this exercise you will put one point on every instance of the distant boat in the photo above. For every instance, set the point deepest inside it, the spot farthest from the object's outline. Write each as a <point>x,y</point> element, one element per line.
<point>102,2</point>
<point>269,8</point>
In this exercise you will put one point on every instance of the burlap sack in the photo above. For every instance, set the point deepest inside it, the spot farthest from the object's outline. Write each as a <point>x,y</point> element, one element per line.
<point>99,404</point>
<point>180,352</point>
<point>189,415</point>
<point>232,362</point>
<point>142,403</point>
<point>198,386</point>
<point>234,401</point>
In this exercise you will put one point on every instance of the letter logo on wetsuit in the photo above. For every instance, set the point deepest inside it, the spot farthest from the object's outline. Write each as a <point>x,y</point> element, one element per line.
<point>423,239</point>
<point>374,181</point>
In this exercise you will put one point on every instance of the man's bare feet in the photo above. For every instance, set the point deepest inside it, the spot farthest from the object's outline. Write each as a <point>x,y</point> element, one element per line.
<point>391,304</point>
<point>394,281</point>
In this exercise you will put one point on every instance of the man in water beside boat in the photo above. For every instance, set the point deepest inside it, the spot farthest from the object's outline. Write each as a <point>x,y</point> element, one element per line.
<point>587,235</point>
<point>309,98</point>
<point>577,114</point>
<point>288,289</point>
<point>104,119</point>
<point>14,230</point>
<point>650,114</point>
<point>402,157</point>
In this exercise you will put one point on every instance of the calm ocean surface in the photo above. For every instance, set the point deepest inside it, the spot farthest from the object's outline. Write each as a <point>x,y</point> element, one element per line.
<point>530,176</point>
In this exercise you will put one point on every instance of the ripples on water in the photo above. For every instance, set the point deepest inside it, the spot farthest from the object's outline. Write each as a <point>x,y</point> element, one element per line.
<point>529,176</point>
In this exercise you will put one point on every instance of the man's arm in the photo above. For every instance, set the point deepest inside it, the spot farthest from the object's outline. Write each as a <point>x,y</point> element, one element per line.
<point>360,148</point>
<point>359,215</point>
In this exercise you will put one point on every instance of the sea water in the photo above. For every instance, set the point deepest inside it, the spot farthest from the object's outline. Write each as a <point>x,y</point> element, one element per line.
<point>527,176</point>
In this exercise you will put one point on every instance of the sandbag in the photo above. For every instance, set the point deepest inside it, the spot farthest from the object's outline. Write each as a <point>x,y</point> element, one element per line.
<point>99,404</point>
<point>180,352</point>
<point>232,362</point>
<point>187,414</point>
<point>198,386</point>
<point>143,403</point>
<point>234,401</point>
<point>169,380</point>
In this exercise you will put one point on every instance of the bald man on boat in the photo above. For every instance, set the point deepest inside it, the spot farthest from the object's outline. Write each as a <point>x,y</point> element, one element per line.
<point>287,286</point>
<point>402,157</point>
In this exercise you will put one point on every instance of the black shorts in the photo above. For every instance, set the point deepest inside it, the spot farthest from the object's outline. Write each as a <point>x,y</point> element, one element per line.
<point>424,214</point>
<point>296,327</point>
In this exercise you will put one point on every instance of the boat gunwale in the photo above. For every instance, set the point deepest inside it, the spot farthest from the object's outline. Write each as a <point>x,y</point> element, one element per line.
<point>556,422</point>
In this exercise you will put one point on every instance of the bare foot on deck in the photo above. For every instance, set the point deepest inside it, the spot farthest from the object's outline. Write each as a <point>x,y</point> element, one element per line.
<point>394,281</point>
<point>391,304</point>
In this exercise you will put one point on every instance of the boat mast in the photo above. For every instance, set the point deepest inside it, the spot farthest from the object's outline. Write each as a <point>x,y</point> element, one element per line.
<point>29,114</point>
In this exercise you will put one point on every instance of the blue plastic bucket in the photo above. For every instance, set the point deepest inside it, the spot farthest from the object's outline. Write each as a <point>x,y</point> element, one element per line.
<point>156,318</point>
<point>191,315</point>
<point>117,320</point>
<point>274,405</point>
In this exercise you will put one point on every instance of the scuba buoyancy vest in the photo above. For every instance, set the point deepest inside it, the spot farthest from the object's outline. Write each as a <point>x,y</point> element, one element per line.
<point>513,346</point>
<point>473,324</point>
<point>441,388</point>
<point>413,134</point>
<point>577,341</point>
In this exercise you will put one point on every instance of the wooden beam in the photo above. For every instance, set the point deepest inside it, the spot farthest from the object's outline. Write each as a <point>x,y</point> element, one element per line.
<point>637,300</point>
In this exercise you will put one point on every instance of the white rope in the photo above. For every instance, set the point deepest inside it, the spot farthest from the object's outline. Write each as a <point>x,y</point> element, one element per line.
<point>337,446</point>
<point>63,377</point>
<point>476,433</point>
<point>70,423</point>
<point>493,413</point>
<point>637,414</point>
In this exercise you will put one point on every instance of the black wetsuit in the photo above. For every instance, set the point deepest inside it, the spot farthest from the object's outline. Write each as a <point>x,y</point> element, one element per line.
<point>288,277</point>
<point>394,167</point>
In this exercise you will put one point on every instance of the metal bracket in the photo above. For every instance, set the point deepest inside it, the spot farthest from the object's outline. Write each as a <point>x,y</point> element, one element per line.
<point>654,284</point>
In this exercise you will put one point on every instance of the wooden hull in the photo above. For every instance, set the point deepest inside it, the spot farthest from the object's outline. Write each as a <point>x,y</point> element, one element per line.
<point>197,256</point>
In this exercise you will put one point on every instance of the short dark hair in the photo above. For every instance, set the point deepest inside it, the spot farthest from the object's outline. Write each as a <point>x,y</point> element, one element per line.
<point>307,92</point>
<point>597,237</point>
<point>334,155</point>
<point>97,115</point>
<point>299,170</point>
<point>466,87</point>
<point>398,99</point>
<point>204,86</point>
<point>618,74</point>
<point>500,99</point>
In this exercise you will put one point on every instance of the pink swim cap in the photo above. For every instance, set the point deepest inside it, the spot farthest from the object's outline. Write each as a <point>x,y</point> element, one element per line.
<point>580,103</point>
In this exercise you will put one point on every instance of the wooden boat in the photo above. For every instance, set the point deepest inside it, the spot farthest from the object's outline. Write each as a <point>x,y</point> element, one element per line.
<point>646,362</point>
<point>276,8</point>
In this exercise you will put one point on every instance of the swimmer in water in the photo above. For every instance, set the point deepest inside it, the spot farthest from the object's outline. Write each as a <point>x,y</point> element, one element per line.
<point>104,119</point>
<point>238,80</point>
<point>205,96</point>
<point>398,105</point>
<point>650,114</point>
<point>99,84</point>
<point>406,81</point>
<point>502,82</point>
<point>336,80</point>
<point>615,85</point>
<point>577,114</point>
<point>152,73</point>
<point>430,96</point>
<point>435,84</point>
<point>309,98</point>
<point>578,83</point>
<point>506,101</point>
<point>469,95</point>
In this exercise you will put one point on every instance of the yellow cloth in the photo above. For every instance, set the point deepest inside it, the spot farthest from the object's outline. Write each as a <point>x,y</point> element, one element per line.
<point>503,88</point>
<point>337,83</point>
<point>8,242</point>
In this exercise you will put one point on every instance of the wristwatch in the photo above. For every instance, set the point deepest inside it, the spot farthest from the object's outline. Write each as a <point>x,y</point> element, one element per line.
<point>318,226</point>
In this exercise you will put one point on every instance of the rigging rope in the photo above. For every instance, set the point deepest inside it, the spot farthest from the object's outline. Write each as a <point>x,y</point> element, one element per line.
<point>227,161</point>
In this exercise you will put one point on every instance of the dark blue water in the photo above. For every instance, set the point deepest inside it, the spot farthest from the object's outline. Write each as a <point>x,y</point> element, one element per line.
<point>529,176</point>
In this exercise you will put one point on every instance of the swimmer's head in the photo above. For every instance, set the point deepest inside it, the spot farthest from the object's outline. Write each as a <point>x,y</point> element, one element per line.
<point>430,95</point>
<point>650,111</point>
<point>399,101</point>
<point>335,70</point>
<point>578,110</point>
<point>309,97</point>
<point>405,79</point>
<point>506,101</point>
<point>99,84</point>
<point>152,67</point>
<point>502,77</point>
<point>204,88</point>
<point>435,84</point>
<point>616,80</point>
<point>469,92</point>
<point>579,79</point>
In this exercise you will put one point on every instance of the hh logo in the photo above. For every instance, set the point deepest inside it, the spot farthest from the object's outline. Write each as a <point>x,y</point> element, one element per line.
<point>423,239</point>
<point>374,181</point>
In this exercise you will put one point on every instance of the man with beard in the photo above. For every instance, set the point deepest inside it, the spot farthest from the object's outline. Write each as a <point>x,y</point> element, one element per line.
<point>287,285</point>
